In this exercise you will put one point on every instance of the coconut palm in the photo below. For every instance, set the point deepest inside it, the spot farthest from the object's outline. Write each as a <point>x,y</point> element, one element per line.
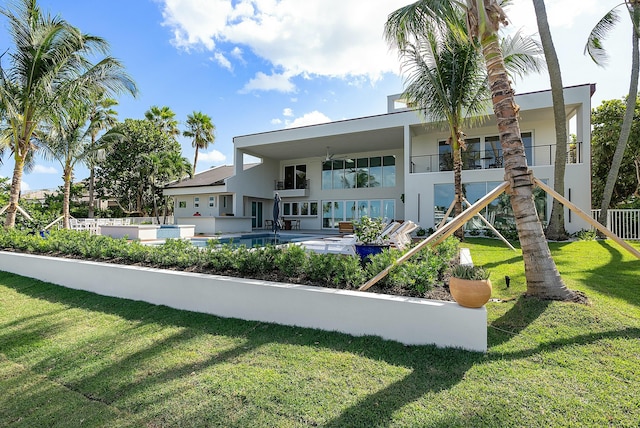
<point>69,140</point>
<point>101,117</point>
<point>555,229</point>
<point>201,129</point>
<point>447,81</point>
<point>164,118</point>
<point>484,18</point>
<point>598,54</point>
<point>49,63</point>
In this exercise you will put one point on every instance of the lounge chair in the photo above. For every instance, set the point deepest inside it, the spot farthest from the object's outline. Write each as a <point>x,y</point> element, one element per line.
<point>401,237</point>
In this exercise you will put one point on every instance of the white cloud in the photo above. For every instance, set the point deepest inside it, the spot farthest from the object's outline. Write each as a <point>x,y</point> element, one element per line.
<point>273,82</point>
<point>24,186</point>
<point>287,112</point>
<point>560,13</point>
<point>334,38</point>
<point>214,157</point>
<point>276,121</point>
<point>42,169</point>
<point>313,118</point>
<point>222,60</point>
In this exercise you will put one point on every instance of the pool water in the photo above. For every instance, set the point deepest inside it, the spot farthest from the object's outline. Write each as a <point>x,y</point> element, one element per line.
<point>255,240</point>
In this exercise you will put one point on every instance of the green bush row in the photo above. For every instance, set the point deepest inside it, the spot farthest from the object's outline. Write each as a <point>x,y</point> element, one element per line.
<point>291,263</point>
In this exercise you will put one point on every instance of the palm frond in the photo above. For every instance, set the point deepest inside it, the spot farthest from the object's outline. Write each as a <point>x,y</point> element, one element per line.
<point>522,54</point>
<point>594,47</point>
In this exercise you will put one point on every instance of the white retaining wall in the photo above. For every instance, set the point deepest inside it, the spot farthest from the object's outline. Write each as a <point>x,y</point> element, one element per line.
<point>411,321</point>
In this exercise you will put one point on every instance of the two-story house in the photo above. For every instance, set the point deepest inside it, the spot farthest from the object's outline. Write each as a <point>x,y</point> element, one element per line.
<point>391,165</point>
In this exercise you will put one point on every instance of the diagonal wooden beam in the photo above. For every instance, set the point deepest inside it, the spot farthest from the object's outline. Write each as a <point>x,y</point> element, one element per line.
<point>442,233</point>
<point>573,207</point>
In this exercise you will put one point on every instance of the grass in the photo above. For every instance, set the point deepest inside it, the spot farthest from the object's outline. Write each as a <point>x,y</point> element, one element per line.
<point>71,359</point>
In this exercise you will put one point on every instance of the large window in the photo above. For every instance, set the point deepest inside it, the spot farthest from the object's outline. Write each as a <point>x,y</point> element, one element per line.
<point>295,177</point>
<point>377,171</point>
<point>309,208</point>
<point>481,153</point>
<point>498,212</point>
<point>334,212</point>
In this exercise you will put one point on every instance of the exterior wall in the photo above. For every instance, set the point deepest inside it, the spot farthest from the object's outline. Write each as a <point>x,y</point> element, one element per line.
<point>402,134</point>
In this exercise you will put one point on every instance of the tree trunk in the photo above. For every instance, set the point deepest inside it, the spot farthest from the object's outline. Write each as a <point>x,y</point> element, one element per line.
<point>92,178</point>
<point>14,195</point>
<point>543,278</point>
<point>66,198</point>
<point>195,160</point>
<point>625,131</point>
<point>457,181</point>
<point>555,229</point>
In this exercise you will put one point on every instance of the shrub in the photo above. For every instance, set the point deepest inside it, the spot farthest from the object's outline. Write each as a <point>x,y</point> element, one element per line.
<point>586,235</point>
<point>292,261</point>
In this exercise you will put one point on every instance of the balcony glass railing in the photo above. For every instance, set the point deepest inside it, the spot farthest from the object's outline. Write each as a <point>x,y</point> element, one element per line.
<point>488,159</point>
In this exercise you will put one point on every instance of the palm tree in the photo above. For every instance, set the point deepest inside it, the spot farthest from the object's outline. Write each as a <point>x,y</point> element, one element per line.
<point>101,117</point>
<point>598,54</point>
<point>447,81</point>
<point>49,64</point>
<point>70,141</point>
<point>201,129</point>
<point>484,18</point>
<point>555,229</point>
<point>164,118</point>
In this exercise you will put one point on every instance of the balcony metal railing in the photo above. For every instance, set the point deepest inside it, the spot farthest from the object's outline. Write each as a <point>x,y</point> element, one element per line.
<point>282,185</point>
<point>488,159</point>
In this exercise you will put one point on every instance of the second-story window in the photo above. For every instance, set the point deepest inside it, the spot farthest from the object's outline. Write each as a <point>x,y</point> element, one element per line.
<point>295,177</point>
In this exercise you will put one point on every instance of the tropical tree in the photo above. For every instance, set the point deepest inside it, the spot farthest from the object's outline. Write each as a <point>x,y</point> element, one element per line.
<point>555,229</point>
<point>606,120</point>
<point>164,118</point>
<point>598,54</point>
<point>484,18</point>
<point>49,64</point>
<point>447,81</point>
<point>125,172</point>
<point>201,129</point>
<point>101,116</point>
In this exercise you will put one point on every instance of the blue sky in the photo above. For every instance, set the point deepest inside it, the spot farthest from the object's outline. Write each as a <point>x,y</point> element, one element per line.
<point>262,65</point>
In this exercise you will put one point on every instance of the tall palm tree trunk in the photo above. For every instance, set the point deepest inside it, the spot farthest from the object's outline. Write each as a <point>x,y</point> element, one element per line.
<point>625,130</point>
<point>195,160</point>
<point>92,179</point>
<point>555,229</point>
<point>543,278</point>
<point>14,195</point>
<point>457,183</point>
<point>66,200</point>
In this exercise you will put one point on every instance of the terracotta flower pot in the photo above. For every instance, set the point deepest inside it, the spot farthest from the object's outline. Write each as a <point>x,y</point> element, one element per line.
<point>470,293</point>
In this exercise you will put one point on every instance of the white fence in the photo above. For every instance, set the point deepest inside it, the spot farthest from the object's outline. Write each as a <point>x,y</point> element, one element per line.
<point>624,223</point>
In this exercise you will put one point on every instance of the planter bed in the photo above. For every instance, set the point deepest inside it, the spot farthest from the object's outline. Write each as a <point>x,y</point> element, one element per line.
<point>409,320</point>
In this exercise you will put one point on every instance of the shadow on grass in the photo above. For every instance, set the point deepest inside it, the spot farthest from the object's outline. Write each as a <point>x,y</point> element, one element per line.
<point>524,312</point>
<point>431,369</point>
<point>607,268</point>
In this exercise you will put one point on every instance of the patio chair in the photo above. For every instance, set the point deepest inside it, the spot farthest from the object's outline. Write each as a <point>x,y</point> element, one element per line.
<point>401,237</point>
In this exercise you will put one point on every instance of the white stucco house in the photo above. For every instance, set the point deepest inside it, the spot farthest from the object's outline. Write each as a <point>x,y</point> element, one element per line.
<point>390,165</point>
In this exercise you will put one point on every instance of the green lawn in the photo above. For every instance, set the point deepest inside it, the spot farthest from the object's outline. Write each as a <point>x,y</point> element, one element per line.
<point>71,359</point>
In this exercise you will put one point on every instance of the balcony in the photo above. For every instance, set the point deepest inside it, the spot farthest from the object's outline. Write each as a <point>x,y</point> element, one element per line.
<point>298,189</point>
<point>489,159</point>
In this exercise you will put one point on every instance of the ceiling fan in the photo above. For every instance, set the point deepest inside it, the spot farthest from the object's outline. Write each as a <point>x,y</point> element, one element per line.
<point>331,156</point>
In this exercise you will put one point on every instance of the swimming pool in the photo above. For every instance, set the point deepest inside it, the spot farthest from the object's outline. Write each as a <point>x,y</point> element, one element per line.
<point>254,240</point>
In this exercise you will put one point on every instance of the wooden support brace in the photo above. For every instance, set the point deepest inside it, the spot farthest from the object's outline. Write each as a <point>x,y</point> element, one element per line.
<point>586,217</point>
<point>441,234</point>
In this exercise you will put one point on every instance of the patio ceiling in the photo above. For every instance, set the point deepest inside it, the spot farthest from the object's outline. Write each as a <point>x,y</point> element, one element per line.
<point>339,144</point>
